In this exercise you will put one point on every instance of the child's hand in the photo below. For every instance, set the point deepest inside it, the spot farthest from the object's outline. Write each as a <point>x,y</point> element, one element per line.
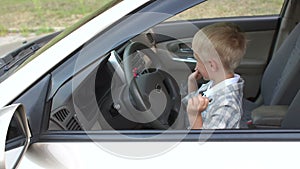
<point>194,108</point>
<point>192,80</point>
<point>195,76</point>
<point>196,105</point>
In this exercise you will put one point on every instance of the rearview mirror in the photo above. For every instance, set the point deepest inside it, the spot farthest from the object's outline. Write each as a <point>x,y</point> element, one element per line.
<point>14,135</point>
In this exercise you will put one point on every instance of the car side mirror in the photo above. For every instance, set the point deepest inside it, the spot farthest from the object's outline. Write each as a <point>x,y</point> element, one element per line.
<point>14,135</point>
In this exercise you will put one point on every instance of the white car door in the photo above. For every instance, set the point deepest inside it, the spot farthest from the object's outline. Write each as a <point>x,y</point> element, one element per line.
<point>76,123</point>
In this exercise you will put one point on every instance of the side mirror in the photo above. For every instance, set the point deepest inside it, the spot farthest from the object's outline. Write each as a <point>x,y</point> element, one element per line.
<point>14,135</point>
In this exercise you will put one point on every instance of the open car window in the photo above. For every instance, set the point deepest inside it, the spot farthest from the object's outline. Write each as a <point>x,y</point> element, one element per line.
<point>139,82</point>
<point>227,8</point>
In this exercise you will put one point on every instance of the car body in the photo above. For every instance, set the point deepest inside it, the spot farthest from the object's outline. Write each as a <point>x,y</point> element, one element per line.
<point>84,110</point>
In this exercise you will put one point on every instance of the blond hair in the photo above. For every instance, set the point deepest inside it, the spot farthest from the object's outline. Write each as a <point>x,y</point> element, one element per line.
<point>223,40</point>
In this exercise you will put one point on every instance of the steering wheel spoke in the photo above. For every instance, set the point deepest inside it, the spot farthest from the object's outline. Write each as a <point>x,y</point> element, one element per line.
<point>151,89</point>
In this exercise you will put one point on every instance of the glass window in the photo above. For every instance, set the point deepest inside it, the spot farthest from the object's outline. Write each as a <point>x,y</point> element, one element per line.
<point>231,8</point>
<point>98,93</point>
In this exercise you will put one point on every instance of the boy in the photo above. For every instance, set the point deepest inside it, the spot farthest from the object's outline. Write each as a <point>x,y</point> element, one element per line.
<point>218,49</point>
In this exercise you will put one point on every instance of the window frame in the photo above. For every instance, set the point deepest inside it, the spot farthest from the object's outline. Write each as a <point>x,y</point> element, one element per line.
<point>145,135</point>
<point>283,6</point>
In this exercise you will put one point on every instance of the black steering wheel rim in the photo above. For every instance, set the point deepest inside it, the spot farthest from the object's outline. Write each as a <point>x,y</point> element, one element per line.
<point>158,80</point>
<point>129,76</point>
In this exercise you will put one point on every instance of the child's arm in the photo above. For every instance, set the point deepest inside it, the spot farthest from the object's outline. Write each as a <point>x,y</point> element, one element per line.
<point>192,81</point>
<point>194,108</point>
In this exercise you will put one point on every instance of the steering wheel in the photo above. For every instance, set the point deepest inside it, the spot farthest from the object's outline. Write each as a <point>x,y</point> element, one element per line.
<point>153,91</point>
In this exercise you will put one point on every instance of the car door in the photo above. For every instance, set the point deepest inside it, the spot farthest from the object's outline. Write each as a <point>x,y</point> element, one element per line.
<point>79,127</point>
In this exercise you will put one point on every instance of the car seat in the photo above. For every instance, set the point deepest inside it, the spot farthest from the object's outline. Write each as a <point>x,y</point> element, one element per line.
<point>280,82</point>
<point>292,117</point>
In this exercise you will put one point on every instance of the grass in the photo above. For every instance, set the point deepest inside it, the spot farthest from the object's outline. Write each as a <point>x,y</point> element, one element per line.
<point>229,8</point>
<point>43,16</point>
<point>3,30</point>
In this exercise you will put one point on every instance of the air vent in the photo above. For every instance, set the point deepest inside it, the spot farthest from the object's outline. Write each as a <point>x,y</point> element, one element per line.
<point>61,115</point>
<point>73,124</point>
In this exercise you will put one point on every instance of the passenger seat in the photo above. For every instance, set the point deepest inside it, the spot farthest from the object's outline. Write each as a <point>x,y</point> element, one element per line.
<point>281,80</point>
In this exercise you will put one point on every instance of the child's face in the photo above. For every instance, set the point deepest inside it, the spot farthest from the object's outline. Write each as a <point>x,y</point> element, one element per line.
<point>201,67</point>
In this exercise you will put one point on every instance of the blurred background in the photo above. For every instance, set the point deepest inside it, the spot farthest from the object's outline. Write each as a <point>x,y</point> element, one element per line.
<point>24,20</point>
<point>42,16</point>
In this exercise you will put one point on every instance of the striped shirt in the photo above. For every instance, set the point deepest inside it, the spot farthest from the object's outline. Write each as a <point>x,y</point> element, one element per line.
<point>225,108</point>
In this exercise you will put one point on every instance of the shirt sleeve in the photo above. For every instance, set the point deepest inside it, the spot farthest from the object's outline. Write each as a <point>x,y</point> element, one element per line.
<point>221,118</point>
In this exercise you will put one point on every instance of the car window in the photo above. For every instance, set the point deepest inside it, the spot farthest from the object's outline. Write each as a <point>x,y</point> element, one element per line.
<point>93,90</point>
<point>229,8</point>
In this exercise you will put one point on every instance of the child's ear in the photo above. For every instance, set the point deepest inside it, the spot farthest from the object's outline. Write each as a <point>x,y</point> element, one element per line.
<point>214,66</point>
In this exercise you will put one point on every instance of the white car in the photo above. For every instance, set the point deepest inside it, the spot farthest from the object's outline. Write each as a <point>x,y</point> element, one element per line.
<point>107,92</point>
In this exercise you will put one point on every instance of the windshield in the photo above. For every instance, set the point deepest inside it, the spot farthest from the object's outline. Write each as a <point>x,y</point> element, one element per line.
<point>11,62</point>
